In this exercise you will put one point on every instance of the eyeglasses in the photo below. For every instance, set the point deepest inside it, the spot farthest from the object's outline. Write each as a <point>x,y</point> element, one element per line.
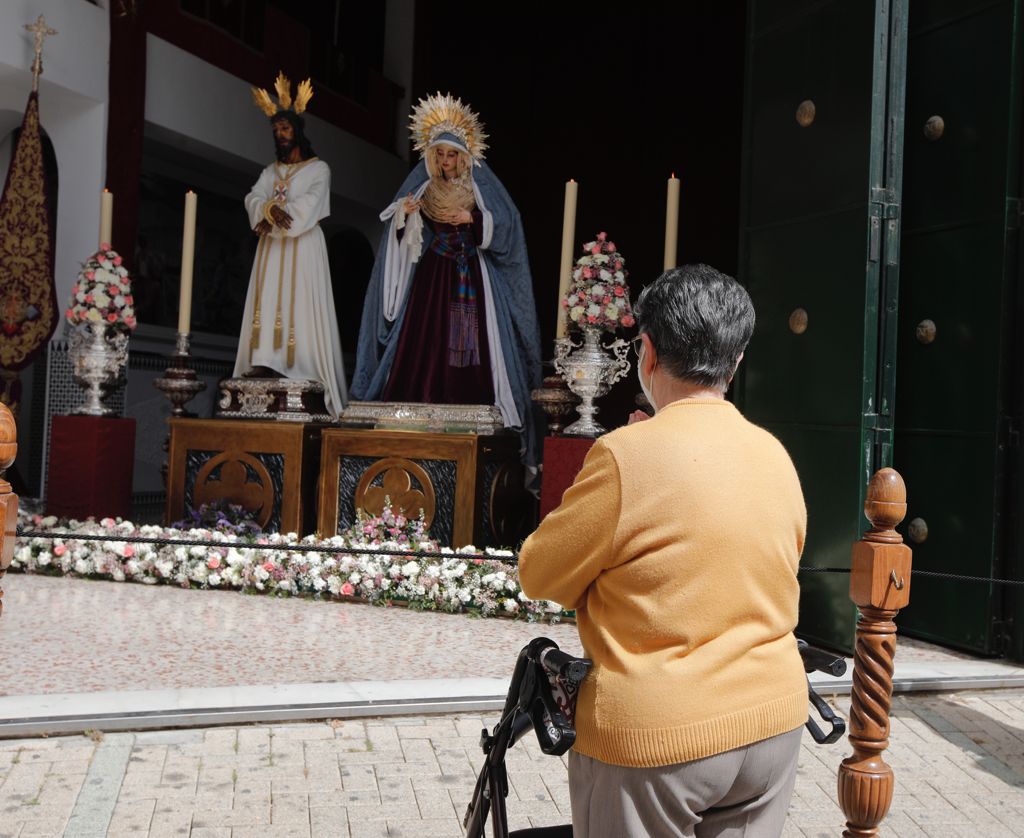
<point>636,343</point>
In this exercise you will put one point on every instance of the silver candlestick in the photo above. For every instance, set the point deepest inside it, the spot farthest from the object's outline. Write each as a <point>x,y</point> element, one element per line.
<point>180,383</point>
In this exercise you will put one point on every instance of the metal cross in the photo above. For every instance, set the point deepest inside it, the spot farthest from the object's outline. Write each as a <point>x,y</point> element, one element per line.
<point>40,30</point>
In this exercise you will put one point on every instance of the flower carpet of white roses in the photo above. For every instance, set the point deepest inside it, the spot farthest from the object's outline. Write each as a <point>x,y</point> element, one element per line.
<point>460,581</point>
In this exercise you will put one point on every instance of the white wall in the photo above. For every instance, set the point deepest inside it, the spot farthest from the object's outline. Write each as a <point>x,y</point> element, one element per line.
<point>208,110</point>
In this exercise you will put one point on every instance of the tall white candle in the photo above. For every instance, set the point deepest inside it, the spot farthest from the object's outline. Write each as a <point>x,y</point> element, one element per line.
<point>565,269</point>
<point>188,251</point>
<point>672,222</point>
<point>106,217</point>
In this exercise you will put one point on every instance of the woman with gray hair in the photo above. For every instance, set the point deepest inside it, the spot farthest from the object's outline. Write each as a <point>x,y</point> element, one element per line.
<point>689,724</point>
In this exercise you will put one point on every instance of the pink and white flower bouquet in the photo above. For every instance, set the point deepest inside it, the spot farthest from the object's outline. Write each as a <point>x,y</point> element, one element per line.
<point>599,296</point>
<point>102,293</point>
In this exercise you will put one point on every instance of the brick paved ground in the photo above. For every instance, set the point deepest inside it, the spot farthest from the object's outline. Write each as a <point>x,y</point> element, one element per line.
<point>959,762</point>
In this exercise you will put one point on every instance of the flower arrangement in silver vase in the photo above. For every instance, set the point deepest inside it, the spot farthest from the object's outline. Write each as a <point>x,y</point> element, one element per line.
<point>597,302</point>
<point>102,310</point>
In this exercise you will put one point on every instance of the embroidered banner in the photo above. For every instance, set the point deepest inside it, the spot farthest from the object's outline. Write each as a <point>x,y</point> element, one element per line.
<point>28,297</point>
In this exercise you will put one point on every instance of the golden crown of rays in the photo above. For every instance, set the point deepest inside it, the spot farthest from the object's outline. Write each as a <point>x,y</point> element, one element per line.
<point>283,88</point>
<point>437,115</point>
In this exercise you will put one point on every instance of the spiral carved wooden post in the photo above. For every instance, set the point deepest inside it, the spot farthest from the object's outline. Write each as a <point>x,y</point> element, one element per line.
<point>880,587</point>
<point>8,500</point>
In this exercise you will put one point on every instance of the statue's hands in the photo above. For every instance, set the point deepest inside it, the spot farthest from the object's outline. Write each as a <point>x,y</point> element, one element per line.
<point>409,205</point>
<point>263,228</point>
<point>281,218</point>
<point>638,416</point>
<point>462,216</point>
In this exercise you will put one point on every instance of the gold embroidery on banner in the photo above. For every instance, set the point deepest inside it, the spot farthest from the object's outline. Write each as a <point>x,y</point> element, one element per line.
<point>28,305</point>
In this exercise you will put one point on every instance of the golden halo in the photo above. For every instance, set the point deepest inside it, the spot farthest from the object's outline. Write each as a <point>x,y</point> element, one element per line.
<point>436,115</point>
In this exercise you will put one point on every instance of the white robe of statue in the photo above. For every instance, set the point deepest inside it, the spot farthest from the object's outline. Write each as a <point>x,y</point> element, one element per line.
<point>292,280</point>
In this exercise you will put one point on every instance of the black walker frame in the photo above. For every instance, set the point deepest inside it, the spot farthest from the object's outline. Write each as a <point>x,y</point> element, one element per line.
<point>531,703</point>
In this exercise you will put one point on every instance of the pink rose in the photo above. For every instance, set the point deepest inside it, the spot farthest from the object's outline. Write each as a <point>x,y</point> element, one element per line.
<point>108,523</point>
<point>59,550</point>
<point>628,320</point>
<point>591,318</point>
<point>69,314</point>
<point>129,300</point>
<point>606,300</point>
<point>611,247</point>
<point>113,290</point>
<point>129,322</point>
<point>128,551</point>
<point>89,298</point>
<point>619,291</point>
<point>213,562</point>
<point>90,275</point>
<point>268,567</point>
<point>117,260</point>
<point>347,589</point>
<point>602,236</point>
<point>104,246</point>
<point>111,318</point>
<point>596,249</point>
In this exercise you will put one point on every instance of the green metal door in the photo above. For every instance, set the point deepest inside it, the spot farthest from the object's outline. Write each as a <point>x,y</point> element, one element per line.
<point>957,416</point>
<point>819,254</point>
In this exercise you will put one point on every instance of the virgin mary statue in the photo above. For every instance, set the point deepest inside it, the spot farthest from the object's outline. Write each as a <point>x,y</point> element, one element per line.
<point>449,316</point>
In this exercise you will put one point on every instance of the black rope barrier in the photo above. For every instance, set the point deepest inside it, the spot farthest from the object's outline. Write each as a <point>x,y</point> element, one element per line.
<point>274,548</point>
<point>958,577</point>
<point>419,554</point>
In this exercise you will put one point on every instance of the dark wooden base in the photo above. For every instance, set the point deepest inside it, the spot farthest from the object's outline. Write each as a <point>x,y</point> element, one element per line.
<point>268,467</point>
<point>470,486</point>
<point>563,459</point>
<point>90,469</point>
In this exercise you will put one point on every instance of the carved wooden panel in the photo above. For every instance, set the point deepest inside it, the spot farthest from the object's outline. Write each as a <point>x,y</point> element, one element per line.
<point>470,486</point>
<point>269,467</point>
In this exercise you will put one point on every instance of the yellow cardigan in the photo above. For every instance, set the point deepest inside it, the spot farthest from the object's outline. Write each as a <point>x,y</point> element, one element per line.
<point>678,547</point>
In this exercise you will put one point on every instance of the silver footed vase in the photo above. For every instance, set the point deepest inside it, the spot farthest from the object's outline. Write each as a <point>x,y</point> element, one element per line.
<point>590,371</point>
<point>98,354</point>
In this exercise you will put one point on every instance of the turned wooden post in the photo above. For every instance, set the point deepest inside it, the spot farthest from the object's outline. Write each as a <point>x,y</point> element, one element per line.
<point>880,587</point>
<point>8,500</point>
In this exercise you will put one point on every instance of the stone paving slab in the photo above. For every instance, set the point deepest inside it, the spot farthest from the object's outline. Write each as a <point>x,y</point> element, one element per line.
<point>119,636</point>
<point>958,761</point>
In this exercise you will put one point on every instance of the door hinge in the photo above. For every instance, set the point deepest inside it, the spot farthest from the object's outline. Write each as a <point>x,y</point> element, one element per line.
<point>1002,634</point>
<point>1012,432</point>
<point>884,214</point>
<point>1014,213</point>
<point>880,447</point>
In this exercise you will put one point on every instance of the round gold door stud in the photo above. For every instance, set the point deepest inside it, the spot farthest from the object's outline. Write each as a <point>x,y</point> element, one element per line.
<point>805,113</point>
<point>934,127</point>
<point>917,529</point>
<point>798,321</point>
<point>925,331</point>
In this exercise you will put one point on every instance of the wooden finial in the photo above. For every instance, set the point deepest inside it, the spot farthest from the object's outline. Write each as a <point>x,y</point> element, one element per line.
<point>8,443</point>
<point>40,30</point>
<point>885,506</point>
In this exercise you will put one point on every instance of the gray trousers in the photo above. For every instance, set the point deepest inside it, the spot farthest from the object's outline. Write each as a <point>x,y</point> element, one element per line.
<point>744,792</point>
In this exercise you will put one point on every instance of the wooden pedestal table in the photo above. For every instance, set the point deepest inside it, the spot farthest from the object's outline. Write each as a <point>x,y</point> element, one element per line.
<point>469,486</point>
<point>880,587</point>
<point>90,468</point>
<point>268,467</point>
<point>8,500</point>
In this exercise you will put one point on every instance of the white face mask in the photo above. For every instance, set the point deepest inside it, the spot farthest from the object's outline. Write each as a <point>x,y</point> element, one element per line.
<point>643,387</point>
